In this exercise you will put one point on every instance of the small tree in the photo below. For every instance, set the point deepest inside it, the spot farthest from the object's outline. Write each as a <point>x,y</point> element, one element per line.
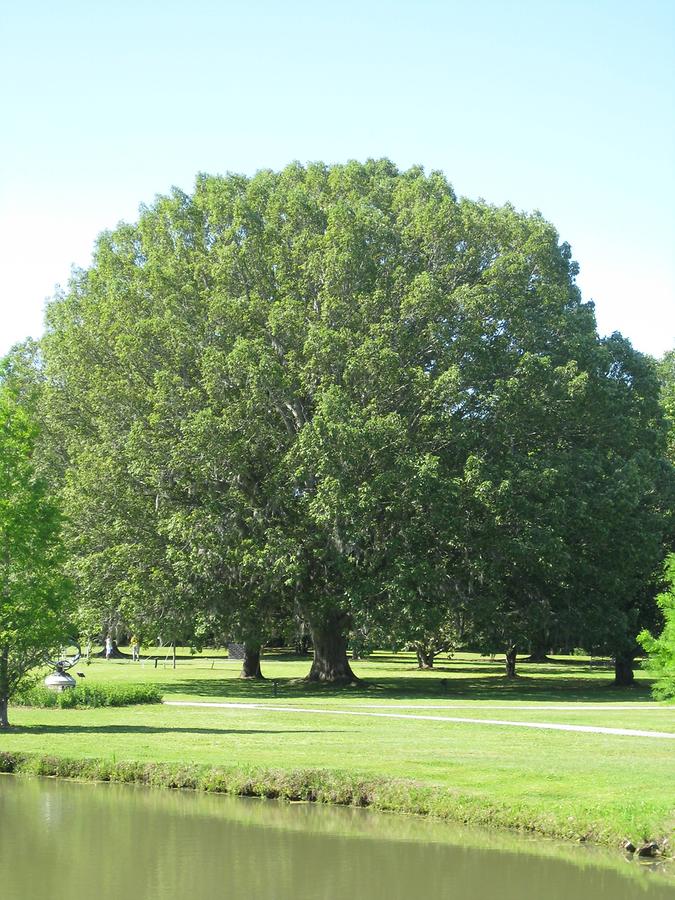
<point>32,587</point>
<point>661,649</point>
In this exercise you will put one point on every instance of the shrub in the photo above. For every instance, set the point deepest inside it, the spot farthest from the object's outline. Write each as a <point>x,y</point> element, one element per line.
<point>661,649</point>
<point>88,696</point>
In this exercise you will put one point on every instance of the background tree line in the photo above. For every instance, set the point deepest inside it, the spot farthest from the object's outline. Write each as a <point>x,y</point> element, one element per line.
<point>342,399</point>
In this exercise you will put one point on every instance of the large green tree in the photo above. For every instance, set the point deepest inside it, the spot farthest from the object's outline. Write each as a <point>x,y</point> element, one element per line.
<point>628,492</point>
<point>337,392</point>
<point>33,589</point>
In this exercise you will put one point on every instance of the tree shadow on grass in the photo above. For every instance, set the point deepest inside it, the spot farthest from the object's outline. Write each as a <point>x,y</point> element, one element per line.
<point>431,687</point>
<point>152,729</point>
<point>496,669</point>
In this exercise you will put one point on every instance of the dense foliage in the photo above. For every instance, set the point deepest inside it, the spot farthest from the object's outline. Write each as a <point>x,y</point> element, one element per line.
<point>666,371</point>
<point>89,696</point>
<point>33,589</point>
<point>344,397</point>
<point>661,649</point>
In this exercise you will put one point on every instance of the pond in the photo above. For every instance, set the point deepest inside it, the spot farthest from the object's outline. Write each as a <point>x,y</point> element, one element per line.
<point>61,839</point>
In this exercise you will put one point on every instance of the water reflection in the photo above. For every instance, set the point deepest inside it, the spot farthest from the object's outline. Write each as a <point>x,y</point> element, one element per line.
<point>116,841</point>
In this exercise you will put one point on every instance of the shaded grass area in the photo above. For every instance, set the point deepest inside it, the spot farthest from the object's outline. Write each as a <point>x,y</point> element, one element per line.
<point>384,676</point>
<point>472,688</point>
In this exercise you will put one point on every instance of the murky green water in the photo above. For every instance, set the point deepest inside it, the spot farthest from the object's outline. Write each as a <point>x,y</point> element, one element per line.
<point>59,839</point>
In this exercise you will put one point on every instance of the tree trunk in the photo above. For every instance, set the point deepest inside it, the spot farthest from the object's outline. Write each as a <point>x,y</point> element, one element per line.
<point>623,670</point>
<point>301,647</point>
<point>116,653</point>
<point>538,656</point>
<point>510,658</point>
<point>539,651</point>
<point>173,654</point>
<point>425,658</point>
<point>329,636</point>
<point>250,667</point>
<point>4,687</point>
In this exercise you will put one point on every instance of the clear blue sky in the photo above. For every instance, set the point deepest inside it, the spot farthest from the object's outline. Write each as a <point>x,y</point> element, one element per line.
<point>566,107</point>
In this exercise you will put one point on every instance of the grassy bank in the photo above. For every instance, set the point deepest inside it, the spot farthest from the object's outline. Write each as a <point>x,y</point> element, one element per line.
<point>314,785</point>
<point>594,787</point>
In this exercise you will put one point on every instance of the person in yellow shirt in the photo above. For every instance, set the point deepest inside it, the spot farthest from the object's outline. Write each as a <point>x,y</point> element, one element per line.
<point>135,648</point>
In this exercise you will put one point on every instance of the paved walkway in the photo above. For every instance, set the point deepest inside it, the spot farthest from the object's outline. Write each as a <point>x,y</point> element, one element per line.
<point>568,707</point>
<point>550,726</point>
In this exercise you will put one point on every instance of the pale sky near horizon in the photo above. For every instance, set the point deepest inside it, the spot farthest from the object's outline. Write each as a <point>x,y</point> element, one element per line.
<point>566,107</point>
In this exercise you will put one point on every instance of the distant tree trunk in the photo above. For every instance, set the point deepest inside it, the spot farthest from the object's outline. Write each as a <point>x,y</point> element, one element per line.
<point>301,647</point>
<point>250,667</point>
<point>539,651</point>
<point>4,686</point>
<point>425,657</point>
<point>623,669</point>
<point>329,636</point>
<point>173,654</point>
<point>115,653</point>
<point>510,656</point>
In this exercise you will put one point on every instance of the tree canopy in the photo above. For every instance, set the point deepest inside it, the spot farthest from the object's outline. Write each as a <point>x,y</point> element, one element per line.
<point>341,392</point>
<point>33,589</point>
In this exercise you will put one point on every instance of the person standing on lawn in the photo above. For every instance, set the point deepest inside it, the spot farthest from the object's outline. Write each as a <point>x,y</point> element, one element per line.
<point>135,648</point>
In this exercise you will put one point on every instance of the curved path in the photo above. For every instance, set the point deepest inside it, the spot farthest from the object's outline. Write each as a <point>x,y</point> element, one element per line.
<point>551,726</point>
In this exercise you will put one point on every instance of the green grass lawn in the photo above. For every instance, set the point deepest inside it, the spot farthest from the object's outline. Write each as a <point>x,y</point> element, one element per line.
<point>564,783</point>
